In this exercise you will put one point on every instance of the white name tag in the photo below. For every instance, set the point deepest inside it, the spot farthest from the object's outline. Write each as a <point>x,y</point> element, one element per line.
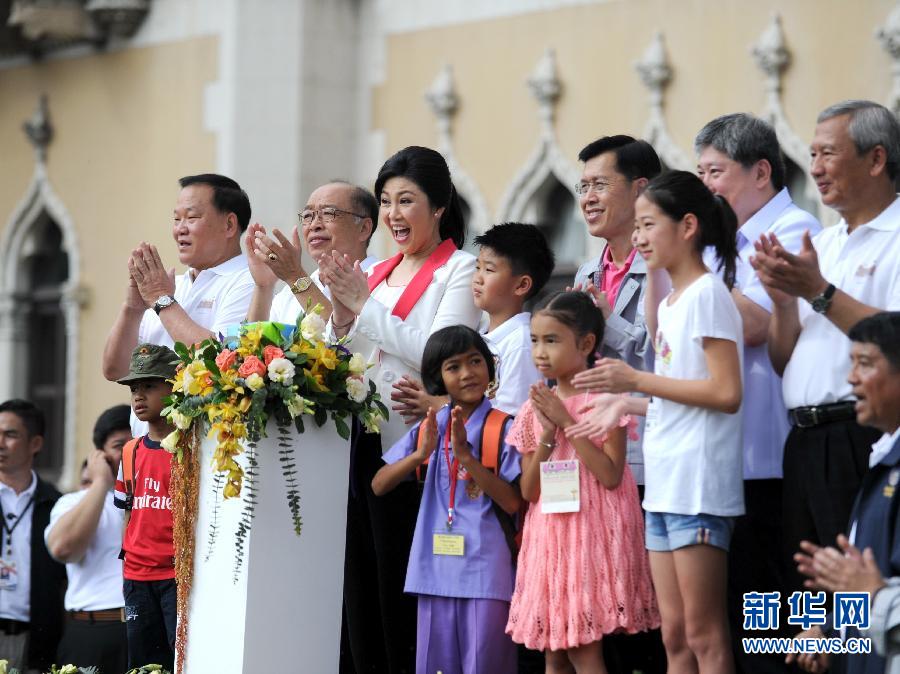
<point>560,488</point>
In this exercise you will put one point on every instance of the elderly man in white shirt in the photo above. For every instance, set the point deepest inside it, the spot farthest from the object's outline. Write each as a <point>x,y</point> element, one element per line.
<point>740,159</point>
<point>211,213</point>
<point>338,216</point>
<point>846,273</point>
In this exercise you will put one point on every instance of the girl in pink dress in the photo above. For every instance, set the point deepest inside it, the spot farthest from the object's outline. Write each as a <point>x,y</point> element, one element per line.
<point>582,573</point>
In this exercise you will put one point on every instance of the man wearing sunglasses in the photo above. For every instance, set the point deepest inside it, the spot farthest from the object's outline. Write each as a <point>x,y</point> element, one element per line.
<point>338,216</point>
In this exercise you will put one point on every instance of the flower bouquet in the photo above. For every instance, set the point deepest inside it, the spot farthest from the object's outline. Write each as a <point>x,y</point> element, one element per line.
<point>228,389</point>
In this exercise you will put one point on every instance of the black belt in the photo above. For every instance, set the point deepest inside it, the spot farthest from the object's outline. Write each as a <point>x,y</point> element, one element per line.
<point>12,627</point>
<point>816,415</point>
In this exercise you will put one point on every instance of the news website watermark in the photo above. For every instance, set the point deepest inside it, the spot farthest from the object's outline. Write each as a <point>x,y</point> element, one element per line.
<point>849,613</point>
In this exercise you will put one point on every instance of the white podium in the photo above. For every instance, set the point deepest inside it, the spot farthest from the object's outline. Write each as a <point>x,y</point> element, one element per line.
<point>284,612</point>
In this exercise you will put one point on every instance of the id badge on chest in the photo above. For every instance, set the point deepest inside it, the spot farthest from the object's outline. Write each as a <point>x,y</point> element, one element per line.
<point>8,577</point>
<point>453,545</point>
<point>560,488</point>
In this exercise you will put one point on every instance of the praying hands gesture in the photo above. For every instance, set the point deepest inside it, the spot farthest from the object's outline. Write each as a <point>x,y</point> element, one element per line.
<point>149,276</point>
<point>462,451</point>
<point>270,260</point>
<point>548,408</point>
<point>427,437</point>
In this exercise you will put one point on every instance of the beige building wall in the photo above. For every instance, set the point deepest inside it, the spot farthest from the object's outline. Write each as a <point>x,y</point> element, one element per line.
<point>835,56</point>
<point>127,125</point>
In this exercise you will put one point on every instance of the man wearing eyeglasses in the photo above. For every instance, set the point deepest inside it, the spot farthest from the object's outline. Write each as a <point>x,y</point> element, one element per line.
<point>338,216</point>
<point>616,169</point>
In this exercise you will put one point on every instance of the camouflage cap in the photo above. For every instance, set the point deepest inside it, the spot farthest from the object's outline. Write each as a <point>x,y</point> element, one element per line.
<point>151,361</point>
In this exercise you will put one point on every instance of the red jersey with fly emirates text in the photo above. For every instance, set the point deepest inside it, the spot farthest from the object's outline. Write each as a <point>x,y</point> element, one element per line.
<point>148,545</point>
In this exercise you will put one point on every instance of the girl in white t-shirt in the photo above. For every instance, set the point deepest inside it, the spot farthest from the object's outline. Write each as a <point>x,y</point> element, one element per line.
<point>692,440</point>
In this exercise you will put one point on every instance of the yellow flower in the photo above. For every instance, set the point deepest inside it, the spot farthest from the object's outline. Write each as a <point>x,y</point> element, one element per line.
<point>197,380</point>
<point>327,357</point>
<point>249,342</point>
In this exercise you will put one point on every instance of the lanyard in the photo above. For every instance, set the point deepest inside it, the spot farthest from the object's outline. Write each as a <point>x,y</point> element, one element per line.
<point>8,530</point>
<point>452,477</point>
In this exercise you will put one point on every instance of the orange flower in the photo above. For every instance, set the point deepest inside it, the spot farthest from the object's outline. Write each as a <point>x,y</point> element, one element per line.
<point>252,365</point>
<point>225,360</point>
<point>272,352</point>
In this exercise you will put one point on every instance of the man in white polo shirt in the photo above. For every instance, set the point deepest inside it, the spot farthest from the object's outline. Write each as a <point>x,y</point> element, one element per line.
<point>847,272</point>
<point>739,158</point>
<point>211,214</point>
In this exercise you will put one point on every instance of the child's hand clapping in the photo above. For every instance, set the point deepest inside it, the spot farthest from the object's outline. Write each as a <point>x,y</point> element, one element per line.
<point>458,438</point>
<point>427,437</point>
<point>550,410</point>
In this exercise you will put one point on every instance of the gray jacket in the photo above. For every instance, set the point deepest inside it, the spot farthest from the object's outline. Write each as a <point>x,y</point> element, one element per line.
<point>885,630</point>
<point>626,335</point>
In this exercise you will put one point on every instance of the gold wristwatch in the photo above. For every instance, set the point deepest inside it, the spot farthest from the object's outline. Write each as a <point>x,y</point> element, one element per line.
<point>301,285</point>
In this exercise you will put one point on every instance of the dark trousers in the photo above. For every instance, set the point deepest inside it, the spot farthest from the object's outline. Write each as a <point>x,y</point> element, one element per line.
<point>150,613</point>
<point>100,644</point>
<point>823,467</point>
<point>380,619</point>
<point>754,565</point>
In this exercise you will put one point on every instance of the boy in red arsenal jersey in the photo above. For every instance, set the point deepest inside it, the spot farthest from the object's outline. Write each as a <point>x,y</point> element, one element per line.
<point>149,569</point>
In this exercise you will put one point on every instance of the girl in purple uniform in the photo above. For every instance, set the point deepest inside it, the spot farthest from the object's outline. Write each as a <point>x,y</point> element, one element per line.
<point>460,564</point>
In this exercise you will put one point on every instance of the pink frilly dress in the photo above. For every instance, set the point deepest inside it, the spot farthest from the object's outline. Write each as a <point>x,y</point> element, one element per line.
<point>580,575</point>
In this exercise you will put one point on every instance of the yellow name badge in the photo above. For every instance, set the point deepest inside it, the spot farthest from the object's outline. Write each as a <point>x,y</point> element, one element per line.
<point>448,544</point>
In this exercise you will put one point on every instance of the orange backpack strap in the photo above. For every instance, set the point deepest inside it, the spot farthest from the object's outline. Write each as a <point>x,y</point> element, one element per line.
<point>129,454</point>
<point>492,438</point>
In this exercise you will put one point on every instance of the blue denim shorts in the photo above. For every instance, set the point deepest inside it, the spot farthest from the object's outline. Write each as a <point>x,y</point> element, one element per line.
<point>668,531</point>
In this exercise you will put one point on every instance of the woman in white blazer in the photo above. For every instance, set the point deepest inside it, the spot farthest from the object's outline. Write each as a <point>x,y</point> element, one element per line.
<point>389,315</point>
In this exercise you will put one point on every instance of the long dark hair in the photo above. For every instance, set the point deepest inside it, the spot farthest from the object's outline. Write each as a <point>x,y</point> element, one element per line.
<point>678,193</point>
<point>577,311</point>
<point>427,169</point>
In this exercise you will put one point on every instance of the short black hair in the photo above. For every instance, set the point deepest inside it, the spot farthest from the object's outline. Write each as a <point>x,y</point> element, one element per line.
<point>525,248</point>
<point>116,418</point>
<point>30,414</point>
<point>446,343</point>
<point>882,330</point>
<point>634,158</point>
<point>228,197</point>
<point>362,201</point>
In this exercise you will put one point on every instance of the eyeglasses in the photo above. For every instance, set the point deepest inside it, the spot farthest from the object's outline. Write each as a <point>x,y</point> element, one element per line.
<point>328,214</point>
<point>599,186</point>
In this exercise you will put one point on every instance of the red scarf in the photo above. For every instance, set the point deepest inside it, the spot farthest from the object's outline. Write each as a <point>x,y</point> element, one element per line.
<point>419,282</point>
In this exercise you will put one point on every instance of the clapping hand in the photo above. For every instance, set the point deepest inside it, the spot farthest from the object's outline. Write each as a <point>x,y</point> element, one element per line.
<point>609,375</point>
<point>458,438</point>
<point>844,570</point>
<point>548,407</point>
<point>412,399</point>
<point>785,275</point>
<point>150,275</point>
<point>346,280</point>
<point>281,255</point>
<point>427,437</point>
<point>601,416</point>
<point>262,274</point>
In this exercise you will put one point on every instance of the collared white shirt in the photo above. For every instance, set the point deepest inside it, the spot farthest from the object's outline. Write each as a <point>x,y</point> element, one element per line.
<point>882,447</point>
<point>765,417</point>
<point>510,342</point>
<point>865,264</point>
<point>286,308</point>
<point>16,604</point>
<point>216,298</point>
<point>95,581</point>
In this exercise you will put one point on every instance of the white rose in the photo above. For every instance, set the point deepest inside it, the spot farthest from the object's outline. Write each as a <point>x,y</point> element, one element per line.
<point>357,363</point>
<point>170,442</point>
<point>356,389</point>
<point>69,669</point>
<point>312,327</point>
<point>299,405</point>
<point>181,421</point>
<point>281,371</point>
<point>254,382</point>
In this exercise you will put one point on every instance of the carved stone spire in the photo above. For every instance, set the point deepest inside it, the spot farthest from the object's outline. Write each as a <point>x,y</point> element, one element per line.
<point>546,87</point>
<point>654,69</point>
<point>443,100</point>
<point>39,130</point>
<point>771,55</point>
<point>889,36</point>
